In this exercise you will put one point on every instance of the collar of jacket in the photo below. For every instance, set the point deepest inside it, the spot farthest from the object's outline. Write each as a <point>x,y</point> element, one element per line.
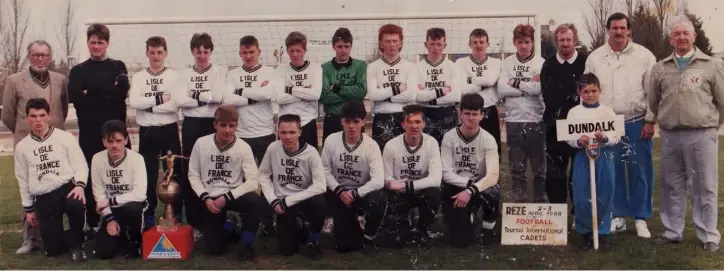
<point>629,48</point>
<point>698,54</point>
<point>338,66</point>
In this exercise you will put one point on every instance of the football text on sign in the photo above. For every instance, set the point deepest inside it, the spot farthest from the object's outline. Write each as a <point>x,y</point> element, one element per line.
<point>534,224</point>
<point>574,128</point>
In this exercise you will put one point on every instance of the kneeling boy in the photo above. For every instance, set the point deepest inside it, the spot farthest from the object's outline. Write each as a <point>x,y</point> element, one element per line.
<point>355,177</point>
<point>292,180</point>
<point>119,188</point>
<point>223,173</point>
<point>470,172</point>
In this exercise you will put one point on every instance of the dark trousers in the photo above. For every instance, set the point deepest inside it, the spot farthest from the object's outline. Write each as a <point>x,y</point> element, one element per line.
<point>491,124</point>
<point>386,127</point>
<point>250,206</point>
<point>399,206</point>
<point>309,134</point>
<point>90,138</point>
<point>439,120</point>
<point>259,145</point>
<point>130,219</point>
<point>290,225</point>
<point>155,141</point>
<point>332,124</point>
<point>191,130</point>
<point>347,232</point>
<point>49,210</point>
<point>558,177</point>
<point>458,220</point>
<point>526,143</point>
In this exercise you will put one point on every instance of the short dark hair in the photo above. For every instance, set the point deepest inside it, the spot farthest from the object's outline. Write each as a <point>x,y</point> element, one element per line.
<point>249,41</point>
<point>290,118</point>
<point>479,33</point>
<point>413,109</point>
<point>617,17</point>
<point>472,101</point>
<point>114,126</point>
<point>296,38</point>
<point>202,39</point>
<point>353,109</point>
<point>99,30</point>
<point>226,113</point>
<point>342,34</point>
<point>522,31</point>
<point>156,41</point>
<point>435,33</point>
<point>37,104</point>
<point>588,79</point>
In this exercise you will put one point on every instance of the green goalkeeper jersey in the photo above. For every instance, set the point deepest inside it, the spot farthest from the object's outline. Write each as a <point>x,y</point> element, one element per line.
<point>342,82</point>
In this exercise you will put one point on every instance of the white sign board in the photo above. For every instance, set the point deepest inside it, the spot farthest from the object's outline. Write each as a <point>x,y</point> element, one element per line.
<point>574,128</point>
<point>534,224</point>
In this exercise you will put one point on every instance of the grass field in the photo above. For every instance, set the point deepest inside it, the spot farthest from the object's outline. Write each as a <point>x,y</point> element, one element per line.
<point>628,251</point>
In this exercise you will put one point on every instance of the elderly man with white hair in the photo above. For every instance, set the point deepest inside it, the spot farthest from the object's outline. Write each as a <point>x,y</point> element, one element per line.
<point>687,98</point>
<point>622,66</point>
<point>35,82</point>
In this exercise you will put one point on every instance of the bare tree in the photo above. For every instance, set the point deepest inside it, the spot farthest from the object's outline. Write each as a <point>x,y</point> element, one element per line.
<point>14,35</point>
<point>630,6</point>
<point>596,21</point>
<point>67,31</point>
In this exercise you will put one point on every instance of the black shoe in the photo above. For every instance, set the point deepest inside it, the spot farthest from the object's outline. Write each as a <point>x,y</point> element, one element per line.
<point>79,255</point>
<point>314,251</point>
<point>422,239</point>
<point>132,253</point>
<point>268,230</point>
<point>368,246</point>
<point>665,241</point>
<point>586,242</point>
<point>486,238</point>
<point>604,242</point>
<point>247,253</point>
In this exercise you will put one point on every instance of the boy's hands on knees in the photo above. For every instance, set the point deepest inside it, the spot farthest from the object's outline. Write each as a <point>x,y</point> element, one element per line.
<point>31,219</point>
<point>113,228</point>
<point>278,209</point>
<point>461,199</point>
<point>211,206</point>
<point>347,197</point>
<point>77,193</point>
<point>220,203</point>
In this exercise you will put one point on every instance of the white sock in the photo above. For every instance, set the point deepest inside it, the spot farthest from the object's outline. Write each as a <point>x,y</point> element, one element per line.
<point>488,225</point>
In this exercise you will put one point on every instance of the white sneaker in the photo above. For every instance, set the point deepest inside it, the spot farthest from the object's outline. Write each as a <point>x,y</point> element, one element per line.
<point>642,230</point>
<point>573,224</point>
<point>618,224</point>
<point>197,235</point>
<point>27,247</point>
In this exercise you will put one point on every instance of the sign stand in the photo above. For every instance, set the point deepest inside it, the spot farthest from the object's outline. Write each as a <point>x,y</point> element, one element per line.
<point>593,150</point>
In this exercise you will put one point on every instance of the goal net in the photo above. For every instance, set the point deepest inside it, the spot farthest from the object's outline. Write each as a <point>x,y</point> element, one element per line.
<point>129,36</point>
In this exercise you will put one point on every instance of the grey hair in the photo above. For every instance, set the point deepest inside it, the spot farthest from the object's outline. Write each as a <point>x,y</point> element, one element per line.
<point>677,20</point>
<point>40,42</point>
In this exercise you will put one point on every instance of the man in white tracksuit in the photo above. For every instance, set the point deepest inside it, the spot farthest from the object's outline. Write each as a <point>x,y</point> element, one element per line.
<point>622,67</point>
<point>687,98</point>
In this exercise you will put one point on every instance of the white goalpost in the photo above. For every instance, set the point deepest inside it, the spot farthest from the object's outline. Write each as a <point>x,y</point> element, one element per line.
<point>128,36</point>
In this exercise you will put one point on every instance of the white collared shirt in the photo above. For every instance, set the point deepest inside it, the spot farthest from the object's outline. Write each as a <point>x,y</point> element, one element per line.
<point>570,60</point>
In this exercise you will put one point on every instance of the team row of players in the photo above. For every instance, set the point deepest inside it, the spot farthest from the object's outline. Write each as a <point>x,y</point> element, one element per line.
<point>297,184</point>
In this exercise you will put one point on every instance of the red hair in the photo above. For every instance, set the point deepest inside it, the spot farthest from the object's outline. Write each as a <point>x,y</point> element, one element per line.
<point>389,29</point>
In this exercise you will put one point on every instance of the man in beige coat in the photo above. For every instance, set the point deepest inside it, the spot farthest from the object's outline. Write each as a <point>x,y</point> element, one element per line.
<point>687,98</point>
<point>36,82</point>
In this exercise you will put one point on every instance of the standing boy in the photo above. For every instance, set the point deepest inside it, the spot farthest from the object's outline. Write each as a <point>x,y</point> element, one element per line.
<point>388,80</point>
<point>157,117</point>
<point>441,81</point>
<point>299,87</point>
<point>344,79</point>
<point>520,85</point>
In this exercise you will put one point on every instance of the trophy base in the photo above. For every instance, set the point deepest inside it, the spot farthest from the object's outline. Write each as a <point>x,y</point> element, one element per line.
<point>172,245</point>
<point>167,225</point>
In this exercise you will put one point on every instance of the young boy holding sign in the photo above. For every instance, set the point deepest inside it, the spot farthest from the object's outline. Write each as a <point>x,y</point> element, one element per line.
<point>591,109</point>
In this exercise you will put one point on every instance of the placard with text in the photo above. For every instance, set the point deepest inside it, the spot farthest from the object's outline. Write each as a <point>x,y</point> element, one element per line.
<point>574,128</point>
<point>534,224</point>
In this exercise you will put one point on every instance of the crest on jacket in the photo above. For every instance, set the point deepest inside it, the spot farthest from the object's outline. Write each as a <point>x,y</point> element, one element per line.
<point>692,80</point>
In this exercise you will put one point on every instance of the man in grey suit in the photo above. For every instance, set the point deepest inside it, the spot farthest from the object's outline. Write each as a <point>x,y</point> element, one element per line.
<point>36,82</point>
